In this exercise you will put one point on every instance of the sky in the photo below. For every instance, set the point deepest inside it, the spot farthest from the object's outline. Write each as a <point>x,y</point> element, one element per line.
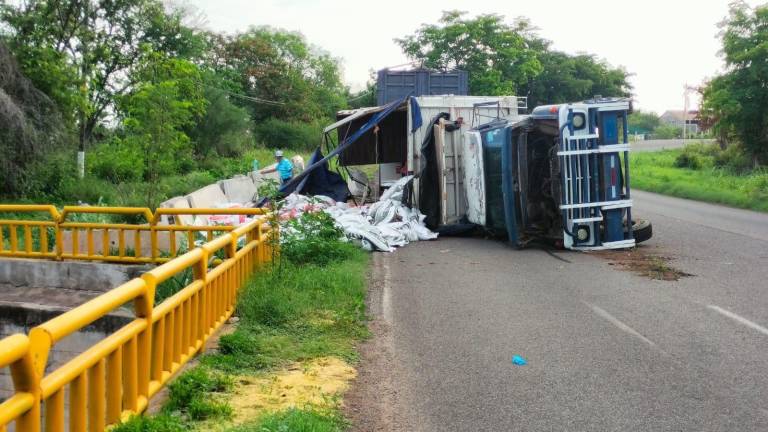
<point>663,44</point>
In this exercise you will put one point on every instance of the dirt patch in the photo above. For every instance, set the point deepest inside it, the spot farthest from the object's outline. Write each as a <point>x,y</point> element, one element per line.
<point>369,402</point>
<point>319,383</point>
<point>644,263</point>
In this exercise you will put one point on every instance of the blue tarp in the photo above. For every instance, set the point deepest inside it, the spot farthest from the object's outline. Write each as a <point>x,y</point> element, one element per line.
<point>302,183</point>
<point>416,120</point>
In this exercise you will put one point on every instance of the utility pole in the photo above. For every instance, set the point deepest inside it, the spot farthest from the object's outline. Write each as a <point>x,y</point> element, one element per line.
<point>685,111</point>
<point>686,105</point>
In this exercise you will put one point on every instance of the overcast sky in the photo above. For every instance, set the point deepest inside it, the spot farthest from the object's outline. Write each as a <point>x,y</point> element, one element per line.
<point>665,44</point>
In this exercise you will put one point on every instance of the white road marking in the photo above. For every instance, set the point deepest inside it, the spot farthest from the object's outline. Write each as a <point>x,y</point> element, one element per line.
<point>621,326</point>
<point>739,319</point>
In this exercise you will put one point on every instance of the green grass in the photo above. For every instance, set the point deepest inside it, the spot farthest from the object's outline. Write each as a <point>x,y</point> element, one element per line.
<point>297,312</point>
<point>193,395</point>
<point>304,307</point>
<point>157,423</point>
<point>296,420</point>
<point>658,172</point>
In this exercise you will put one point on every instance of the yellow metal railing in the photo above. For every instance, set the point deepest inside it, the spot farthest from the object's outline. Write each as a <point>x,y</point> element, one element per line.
<point>153,241</point>
<point>117,376</point>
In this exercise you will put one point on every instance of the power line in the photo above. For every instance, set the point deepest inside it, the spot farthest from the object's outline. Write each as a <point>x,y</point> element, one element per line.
<point>249,98</point>
<point>360,96</point>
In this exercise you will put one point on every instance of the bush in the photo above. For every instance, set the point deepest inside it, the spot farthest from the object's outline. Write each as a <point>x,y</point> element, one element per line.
<point>733,158</point>
<point>116,161</point>
<point>47,179</point>
<point>90,190</point>
<point>313,238</point>
<point>275,133</point>
<point>697,156</point>
<point>668,132</point>
<point>221,167</point>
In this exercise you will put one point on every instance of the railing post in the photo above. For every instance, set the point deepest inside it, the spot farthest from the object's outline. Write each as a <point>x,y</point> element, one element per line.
<point>144,305</point>
<point>59,236</point>
<point>153,237</point>
<point>200,272</point>
<point>26,379</point>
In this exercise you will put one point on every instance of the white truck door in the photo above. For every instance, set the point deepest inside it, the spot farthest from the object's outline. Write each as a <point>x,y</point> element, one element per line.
<point>474,178</point>
<point>448,145</point>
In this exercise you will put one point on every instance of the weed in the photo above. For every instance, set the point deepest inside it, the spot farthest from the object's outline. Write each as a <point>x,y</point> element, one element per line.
<point>314,238</point>
<point>158,423</point>
<point>190,394</point>
<point>298,420</point>
<point>173,285</point>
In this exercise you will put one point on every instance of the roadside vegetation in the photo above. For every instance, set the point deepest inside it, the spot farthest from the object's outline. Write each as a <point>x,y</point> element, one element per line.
<point>733,171</point>
<point>287,362</point>
<point>705,173</point>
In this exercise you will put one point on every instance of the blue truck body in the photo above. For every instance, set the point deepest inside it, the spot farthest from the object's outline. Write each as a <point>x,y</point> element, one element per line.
<point>561,174</point>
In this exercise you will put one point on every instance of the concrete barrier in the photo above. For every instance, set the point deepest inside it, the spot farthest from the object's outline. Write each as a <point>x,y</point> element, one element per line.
<point>177,203</point>
<point>207,197</point>
<point>239,190</point>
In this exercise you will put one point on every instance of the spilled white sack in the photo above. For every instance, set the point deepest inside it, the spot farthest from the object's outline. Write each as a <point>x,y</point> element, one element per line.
<point>383,225</point>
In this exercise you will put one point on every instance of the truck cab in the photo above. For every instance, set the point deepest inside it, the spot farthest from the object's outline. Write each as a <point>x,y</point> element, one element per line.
<point>560,174</point>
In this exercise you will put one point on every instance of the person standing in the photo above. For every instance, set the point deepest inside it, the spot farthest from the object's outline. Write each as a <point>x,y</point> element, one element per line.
<point>283,166</point>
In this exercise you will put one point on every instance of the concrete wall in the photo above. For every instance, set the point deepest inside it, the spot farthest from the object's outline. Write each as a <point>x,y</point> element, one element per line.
<point>69,275</point>
<point>20,318</point>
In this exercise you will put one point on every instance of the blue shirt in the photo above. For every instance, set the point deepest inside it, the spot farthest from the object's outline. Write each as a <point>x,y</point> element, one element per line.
<point>285,168</point>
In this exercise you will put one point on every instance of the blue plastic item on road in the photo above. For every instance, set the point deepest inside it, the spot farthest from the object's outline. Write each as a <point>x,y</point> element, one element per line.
<point>516,359</point>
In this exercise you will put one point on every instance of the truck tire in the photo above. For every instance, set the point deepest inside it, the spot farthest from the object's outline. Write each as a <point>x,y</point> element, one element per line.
<point>642,230</point>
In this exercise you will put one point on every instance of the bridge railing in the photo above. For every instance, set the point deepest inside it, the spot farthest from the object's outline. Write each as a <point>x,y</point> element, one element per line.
<point>152,241</point>
<point>118,375</point>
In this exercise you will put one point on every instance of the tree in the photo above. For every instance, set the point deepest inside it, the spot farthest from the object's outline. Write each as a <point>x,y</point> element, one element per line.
<point>568,78</point>
<point>506,59</point>
<point>496,55</point>
<point>30,124</point>
<point>225,129</point>
<point>168,99</point>
<point>83,52</point>
<point>734,102</point>
<point>643,122</point>
<point>282,74</point>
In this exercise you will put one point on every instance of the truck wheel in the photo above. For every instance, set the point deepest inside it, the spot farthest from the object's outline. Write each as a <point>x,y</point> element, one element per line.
<point>642,230</point>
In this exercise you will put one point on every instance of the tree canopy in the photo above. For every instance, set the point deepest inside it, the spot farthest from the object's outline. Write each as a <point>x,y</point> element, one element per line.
<point>83,53</point>
<point>504,58</point>
<point>735,102</point>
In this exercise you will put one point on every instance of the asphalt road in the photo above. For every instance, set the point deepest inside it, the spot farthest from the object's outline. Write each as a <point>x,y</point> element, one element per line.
<point>607,350</point>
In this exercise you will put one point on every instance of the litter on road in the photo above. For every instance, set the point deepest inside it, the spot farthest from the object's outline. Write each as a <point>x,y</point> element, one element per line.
<point>519,361</point>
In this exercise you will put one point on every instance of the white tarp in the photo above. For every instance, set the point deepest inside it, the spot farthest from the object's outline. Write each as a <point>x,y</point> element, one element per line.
<point>383,225</point>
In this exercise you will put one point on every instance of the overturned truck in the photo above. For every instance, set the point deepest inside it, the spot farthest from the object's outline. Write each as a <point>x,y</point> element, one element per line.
<point>559,175</point>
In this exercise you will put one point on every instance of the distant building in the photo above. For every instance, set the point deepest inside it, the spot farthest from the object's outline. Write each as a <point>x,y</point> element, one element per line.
<point>677,118</point>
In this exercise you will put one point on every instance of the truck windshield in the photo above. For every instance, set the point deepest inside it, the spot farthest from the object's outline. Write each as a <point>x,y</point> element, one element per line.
<point>493,141</point>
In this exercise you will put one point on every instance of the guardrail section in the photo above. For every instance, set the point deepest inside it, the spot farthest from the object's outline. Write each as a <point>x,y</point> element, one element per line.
<point>117,376</point>
<point>155,240</point>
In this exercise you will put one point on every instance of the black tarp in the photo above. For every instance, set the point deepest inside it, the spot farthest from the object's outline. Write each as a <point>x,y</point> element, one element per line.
<point>429,177</point>
<point>323,181</point>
